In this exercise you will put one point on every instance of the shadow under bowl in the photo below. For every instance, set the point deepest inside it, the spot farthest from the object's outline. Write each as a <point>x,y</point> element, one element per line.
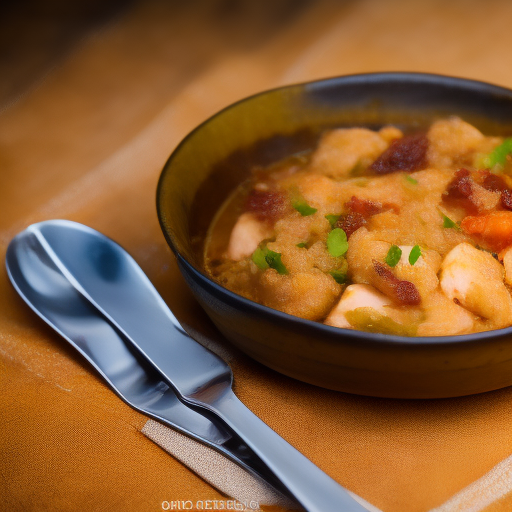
<point>219,154</point>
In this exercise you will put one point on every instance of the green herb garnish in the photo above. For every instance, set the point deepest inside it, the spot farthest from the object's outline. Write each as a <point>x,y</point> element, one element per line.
<point>499,156</point>
<point>410,179</point>
<point>264,258</point>
<point>301,245</point>
<point>258,257</point>
<point>339,276</point>
<point>361,182</point>
<point>449,223</point>
<point>303,208</point>
<point>337,243</point>
<point>358,169</point>
<point>332,219</point>
<point>274,261</point>
<point>414,254</point>
<point>393,256</point>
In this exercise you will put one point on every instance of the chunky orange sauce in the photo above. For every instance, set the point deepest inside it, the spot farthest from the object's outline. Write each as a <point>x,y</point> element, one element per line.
<point>377,231</point>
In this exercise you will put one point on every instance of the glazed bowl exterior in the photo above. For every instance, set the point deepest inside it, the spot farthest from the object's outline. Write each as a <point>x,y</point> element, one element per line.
<point>218,155</point>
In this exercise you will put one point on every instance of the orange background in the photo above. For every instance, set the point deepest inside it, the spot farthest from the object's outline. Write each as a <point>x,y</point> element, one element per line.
<point>87,120</point>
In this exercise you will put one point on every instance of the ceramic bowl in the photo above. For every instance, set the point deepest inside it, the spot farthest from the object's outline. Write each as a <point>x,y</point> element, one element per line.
<point>219,154</point>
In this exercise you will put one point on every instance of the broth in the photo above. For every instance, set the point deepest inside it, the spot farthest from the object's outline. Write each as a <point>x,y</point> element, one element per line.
<point>377,231</point>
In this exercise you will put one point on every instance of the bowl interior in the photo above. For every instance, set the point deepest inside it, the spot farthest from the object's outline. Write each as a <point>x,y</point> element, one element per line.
<point>213,159</point>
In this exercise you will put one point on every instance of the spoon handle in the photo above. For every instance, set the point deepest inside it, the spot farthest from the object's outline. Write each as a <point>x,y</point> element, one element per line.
<point>310,486</point>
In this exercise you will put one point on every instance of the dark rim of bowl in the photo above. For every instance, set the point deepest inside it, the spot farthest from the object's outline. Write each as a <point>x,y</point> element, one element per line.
<point>361,336</point>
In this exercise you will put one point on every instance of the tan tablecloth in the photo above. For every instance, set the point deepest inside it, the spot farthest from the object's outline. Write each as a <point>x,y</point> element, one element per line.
<point>88,144</point>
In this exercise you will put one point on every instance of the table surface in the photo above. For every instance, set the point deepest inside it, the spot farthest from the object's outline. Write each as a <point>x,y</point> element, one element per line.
<point>92,101</point>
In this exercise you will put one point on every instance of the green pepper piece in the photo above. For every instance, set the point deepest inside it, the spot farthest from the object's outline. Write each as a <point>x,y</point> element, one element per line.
<point>369,320</point>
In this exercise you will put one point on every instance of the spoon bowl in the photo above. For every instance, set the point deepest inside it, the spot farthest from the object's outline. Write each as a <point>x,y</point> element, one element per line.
<point>44,287</point>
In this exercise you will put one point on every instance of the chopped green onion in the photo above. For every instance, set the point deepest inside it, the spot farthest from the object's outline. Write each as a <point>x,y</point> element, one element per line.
<point>499,155</point>
<point>264,258</point>
<point>332,219</point>
<point>303,208</point>
<point>361,182</point>
<point>449,223</point>
<point>358,169</point>
<point>339,273</point>
<point>394,255</point>
<point>258,256</point>
<point>301,245</point>
<point>414,254</point>
<point>339,276</point>
<point>411,180</point>
<point>337,243</point>
<point>274,261</point>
